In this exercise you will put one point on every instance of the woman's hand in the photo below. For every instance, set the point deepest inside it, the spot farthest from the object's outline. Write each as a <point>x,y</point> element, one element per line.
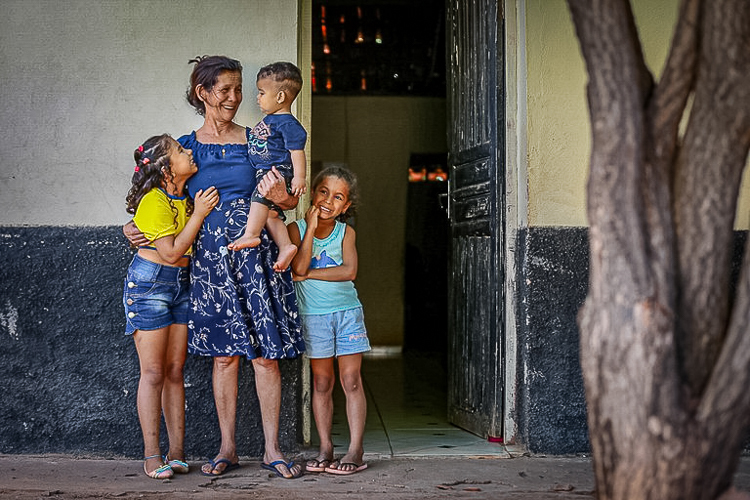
<point>205,201</point>
<point>133,234</point>
<point>273,187</point>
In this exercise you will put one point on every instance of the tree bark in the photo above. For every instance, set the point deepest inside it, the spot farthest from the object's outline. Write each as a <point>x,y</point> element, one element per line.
<point>665,353</point>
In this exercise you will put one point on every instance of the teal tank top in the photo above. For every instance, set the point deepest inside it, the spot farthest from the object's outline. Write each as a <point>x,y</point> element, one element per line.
<point>325,297</point>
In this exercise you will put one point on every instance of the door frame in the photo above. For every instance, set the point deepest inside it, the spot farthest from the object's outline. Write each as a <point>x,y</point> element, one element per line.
<point>516,196</point>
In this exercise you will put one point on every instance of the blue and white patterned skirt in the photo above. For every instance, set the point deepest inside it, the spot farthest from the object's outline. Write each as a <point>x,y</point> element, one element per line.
<point>238,305</point>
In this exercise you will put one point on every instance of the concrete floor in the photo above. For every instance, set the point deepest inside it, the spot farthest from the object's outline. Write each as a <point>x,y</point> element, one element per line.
<point>407,411</point>
<point>411,449</point>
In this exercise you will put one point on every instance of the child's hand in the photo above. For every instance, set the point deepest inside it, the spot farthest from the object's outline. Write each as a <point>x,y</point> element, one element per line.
<point>205,201</point>
<point>311,218</point>
<point>298,186</point>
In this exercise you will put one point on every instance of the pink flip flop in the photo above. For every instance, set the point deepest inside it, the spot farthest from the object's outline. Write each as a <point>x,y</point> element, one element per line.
<point>336,470</point>
<point>317,465</point>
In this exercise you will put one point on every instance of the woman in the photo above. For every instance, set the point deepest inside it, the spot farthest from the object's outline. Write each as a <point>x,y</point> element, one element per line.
<point>239,305</point>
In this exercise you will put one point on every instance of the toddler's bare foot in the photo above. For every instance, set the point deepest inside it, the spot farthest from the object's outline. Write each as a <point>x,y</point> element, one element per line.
<point>286,254</point>
<point>245,241</point>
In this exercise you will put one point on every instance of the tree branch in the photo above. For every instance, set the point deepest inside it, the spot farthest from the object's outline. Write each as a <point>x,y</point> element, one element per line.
<point>708,172</point>
<point>726,398</point>
<point>617,91</point>
<point>667,105</point>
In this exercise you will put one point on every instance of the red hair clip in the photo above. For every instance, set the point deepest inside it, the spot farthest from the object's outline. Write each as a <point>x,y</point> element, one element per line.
<point>137,168</point>
<point>140,149</point>
<point>146,161</point>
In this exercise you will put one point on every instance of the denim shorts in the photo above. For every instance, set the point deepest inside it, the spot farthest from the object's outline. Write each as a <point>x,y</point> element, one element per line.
<point>154,295</point>
<point>335,334</point>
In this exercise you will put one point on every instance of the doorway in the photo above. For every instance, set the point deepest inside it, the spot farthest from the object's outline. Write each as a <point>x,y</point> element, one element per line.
<point>426,255</point>
<point>380,112</point>
<point>378,102</point>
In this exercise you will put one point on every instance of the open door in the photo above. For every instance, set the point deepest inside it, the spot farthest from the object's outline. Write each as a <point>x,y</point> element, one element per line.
<point>475,207</point>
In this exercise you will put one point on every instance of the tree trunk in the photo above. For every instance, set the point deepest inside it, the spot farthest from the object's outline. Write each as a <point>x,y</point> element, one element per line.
<point>665,352</point>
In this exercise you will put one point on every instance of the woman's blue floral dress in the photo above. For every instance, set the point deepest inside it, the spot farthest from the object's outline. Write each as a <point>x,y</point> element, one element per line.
<point>239,305</point>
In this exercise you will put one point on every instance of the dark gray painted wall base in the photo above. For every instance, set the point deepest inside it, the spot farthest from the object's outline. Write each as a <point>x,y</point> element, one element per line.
<point>69,375</point>
<point>551,405</point>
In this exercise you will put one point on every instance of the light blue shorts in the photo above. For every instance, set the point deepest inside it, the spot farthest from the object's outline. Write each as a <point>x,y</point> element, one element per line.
<point>336,334</point>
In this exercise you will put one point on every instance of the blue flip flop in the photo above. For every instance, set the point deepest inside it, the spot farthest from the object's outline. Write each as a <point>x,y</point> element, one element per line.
<point>272,467</point>
<point>229,467</point>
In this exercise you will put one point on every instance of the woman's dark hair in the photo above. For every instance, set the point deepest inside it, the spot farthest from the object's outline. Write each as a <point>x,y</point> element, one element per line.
<point>151,168</point>
<point>205,73</point>
<point>347,176</point>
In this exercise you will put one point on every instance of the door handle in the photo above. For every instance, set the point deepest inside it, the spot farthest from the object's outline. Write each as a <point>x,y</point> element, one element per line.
<point>444,201</point>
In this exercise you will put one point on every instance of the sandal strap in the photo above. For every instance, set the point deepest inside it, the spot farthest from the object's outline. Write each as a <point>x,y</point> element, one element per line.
<point>162,468</point>
<point>178,462</point>
<point>164,471</point>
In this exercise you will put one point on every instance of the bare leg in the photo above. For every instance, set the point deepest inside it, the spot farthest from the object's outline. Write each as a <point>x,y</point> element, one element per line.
<point>268,386</point>
<point>225,373</point>
<point>151,346</point>
<point>256,219</point>
<point>356,408</point>
<point>322,404</point>
<point>173,394</point>
<point>280,235</point>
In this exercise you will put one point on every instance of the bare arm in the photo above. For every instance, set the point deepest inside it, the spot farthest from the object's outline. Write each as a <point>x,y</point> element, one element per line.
<point>347,271</point>
<point>301,261</point>
<point>173,247</point>
<point>299,163</point>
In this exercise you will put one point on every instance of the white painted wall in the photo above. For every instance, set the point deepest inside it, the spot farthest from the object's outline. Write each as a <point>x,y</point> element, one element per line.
<point>558,133</point>
<point>85,81</point>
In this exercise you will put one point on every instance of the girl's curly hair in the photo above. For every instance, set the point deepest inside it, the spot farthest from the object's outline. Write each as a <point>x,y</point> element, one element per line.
<point>347,176</point>
<point>151,170</point>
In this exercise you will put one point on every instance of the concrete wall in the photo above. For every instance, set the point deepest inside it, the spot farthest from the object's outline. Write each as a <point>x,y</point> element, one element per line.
<point>559,135</point>
<point>85,82</point>
<point>374,136</point>
<point>552,240</point>
<point>90,80</point>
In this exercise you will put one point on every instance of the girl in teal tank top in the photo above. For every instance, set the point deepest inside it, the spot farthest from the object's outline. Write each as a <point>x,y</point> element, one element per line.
<point>324,268</point>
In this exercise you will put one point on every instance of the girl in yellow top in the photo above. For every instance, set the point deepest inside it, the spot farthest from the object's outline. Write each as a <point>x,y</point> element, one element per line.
<point>156,292</point>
